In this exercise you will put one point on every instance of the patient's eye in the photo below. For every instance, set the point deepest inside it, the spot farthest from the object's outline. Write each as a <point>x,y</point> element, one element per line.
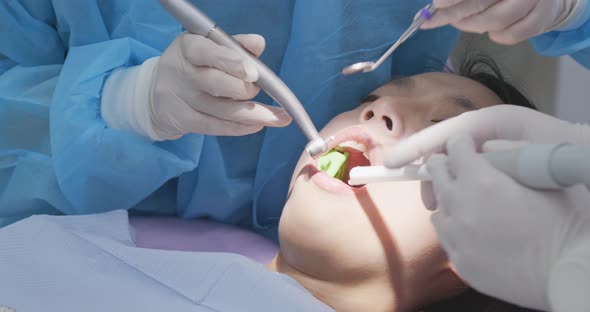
<point>370,98</point>
<point>437,120</point>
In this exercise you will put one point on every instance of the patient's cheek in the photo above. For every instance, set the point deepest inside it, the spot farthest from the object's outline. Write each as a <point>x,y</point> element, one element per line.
<point>402,210</point>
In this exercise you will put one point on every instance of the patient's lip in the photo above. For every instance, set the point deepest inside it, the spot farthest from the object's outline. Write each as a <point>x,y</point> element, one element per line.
<point>333,185</point>
<point>326,182</point>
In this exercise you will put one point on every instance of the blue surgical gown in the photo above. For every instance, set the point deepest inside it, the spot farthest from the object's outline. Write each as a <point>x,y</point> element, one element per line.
<point>89,263</point>
<point>574,41</point>
<point>58,157</point>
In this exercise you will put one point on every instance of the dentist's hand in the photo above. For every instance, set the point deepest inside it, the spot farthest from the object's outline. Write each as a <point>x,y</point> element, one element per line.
<point>503,122</point>
<point>523,246</point>
<point>506,21</point>
<point>202,87</point>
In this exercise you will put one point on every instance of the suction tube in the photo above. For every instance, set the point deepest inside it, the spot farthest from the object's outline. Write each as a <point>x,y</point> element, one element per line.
<point>545,166</point>
<point>538,166</point>
<point>197,22</point>
<point>569,164</point>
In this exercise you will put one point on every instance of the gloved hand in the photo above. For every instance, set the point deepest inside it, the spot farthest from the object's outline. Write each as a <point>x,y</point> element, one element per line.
<point>507,21</point>
<point>506,122</point>
<point>202,87</point>
<point>523,246</point>
<point>196,86</point>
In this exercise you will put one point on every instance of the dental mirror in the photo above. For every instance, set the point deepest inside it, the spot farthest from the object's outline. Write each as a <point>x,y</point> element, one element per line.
<point>423,15</point>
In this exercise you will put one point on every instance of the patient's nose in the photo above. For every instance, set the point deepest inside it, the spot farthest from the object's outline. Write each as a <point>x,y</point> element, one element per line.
<point>382,115</point>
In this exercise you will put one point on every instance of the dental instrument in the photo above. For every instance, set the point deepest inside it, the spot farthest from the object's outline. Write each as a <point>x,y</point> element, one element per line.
<point>374,174</point>
<point>196,22</point>
<point>539,166</point>
<point>423,15</point>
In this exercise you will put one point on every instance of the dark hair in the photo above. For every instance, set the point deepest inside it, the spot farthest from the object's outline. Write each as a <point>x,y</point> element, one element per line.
<point>472,301</point>
<point>484,70</point>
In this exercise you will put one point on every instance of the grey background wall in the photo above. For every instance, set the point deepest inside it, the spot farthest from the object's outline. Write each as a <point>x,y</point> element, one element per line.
<point>532,74</point>
<point>573,91</point>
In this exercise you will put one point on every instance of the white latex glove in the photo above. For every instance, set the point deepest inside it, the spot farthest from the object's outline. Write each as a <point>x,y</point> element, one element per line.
<point>505,122</point>
<point>508,21</point>
<point>196,86</point>
<point>523,246</point>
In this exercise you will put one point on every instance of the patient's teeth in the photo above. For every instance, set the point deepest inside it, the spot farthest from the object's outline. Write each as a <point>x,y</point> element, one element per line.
<point>356,145</point>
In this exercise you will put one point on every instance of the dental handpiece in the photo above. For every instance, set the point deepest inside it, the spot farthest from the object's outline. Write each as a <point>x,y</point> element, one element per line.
<point>538,166</point>
<point>196,22</point>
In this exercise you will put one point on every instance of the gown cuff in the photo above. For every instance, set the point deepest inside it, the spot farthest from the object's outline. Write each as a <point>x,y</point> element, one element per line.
<point>578,14</point>
<point>126,98</point>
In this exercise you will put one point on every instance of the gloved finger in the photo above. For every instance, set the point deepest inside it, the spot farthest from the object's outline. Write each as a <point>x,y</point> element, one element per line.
<point>252,42</point>
<point>524,29</point>
<point>497,17</point>
<point>448,3</point>
<point>243,112</point>
<point>480,124</point>
<point>462,266</point>
<point>427,194</point>
<point>502,145</point>
<point>464,162</point>
<point>506,37</point>
<point>494,122</point>
<point>218,83</point>
<point>436,165</point>
<point>196,122</point>
<point>458,12</point>
<point>442,226</point>
<point>462,155</point>
<point>201,51</point>
<point>442,180</point>
<point>569,282</point>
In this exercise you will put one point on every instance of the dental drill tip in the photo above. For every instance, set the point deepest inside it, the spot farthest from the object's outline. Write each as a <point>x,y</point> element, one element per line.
<point>317,147</point>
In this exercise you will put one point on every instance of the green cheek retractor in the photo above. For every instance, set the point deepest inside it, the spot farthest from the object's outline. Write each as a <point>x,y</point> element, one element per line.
<point>334,163</point>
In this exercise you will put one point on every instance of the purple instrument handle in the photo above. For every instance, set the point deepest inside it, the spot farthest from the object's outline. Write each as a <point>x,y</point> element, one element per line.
<point>426,14</point>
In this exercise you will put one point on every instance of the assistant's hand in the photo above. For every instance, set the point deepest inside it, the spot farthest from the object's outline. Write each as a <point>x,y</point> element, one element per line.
<point>202,87</point>
<point>504,122</point>
<point>523,246</point>
<point>506,21</point>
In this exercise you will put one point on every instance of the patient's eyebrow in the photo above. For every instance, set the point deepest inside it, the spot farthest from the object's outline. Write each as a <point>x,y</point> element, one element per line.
<point>406,82</point>
<point>463,102</point>
<point>399,81</point>
<point>370,98</point>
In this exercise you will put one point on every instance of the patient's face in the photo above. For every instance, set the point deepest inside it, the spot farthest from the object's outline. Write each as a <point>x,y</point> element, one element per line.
<point>333,231</point>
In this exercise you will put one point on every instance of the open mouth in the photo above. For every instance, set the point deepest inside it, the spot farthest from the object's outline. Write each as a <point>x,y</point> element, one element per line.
<point>359,147</point>
<point>357,156</point>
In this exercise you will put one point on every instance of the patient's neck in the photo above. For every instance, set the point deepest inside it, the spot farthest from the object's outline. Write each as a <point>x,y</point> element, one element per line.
<point>374,293</point>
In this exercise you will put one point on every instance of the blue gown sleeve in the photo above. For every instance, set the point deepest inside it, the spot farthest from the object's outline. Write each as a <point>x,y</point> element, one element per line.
<point>29,36</point>
<point>92,167</point>
<point>575,42</point>
<point>98,168</point>
<point>6,64</point>
<point>31,57</point>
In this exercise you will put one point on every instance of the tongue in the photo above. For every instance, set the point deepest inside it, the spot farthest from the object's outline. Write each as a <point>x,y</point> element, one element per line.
<point>355,159</point>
